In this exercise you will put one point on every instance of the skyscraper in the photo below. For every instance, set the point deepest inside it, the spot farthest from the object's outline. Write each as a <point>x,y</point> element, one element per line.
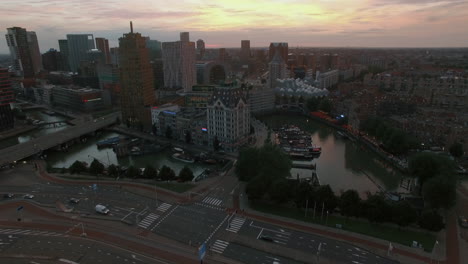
<point>245,50</point>
<point>24,50</point>
<point>63,46</point>
<point>277,70</point>
<point>78,45</point>
<point>179,63</point>
<point>281,48</point>
<point>185,36</point>
<point>155,49</point>
<point>6,97</point>
<point>136,80</point>
<point>102,44</point>
<point>200,49</point>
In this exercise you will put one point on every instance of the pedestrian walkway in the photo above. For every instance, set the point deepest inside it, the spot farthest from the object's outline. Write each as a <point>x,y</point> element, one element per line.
<point>29,232</point>
<point>219,246</point>
<point>148,220</point>
<point>213,201</point>
<point>163,207</point>
<point>236,224</point>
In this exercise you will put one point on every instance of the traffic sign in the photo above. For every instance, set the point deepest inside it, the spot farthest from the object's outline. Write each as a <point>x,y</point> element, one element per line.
<point>20,208</point>
<point>202,251</point>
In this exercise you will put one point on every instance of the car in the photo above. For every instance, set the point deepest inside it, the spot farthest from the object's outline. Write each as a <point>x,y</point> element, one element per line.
<point>74,200</point>
<point>266,238</point>
<point>28,196</point>
<point>8,195</point>
<point>463,221</point>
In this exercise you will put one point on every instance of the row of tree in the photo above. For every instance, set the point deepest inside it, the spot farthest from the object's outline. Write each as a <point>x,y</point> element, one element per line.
<point>319,103</point>
<point>266,171</point>
<point>150,172</point>
<point>394,140</point>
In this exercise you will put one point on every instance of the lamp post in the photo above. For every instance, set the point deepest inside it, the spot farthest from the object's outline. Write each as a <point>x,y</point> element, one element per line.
<point>433,252</point>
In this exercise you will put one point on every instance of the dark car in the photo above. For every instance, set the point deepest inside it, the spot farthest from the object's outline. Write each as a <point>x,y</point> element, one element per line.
<point>74,200</point>
<point>463,221</point>
<point>266,238</point>
<point>8,195</point>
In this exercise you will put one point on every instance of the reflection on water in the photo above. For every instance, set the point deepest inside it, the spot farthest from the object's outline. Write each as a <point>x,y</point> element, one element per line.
<point>88,151</point>
<point>40,131</point>
<point>343,164</point>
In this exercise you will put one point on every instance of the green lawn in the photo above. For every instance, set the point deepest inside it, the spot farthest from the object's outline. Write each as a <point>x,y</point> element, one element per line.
<point>175,187</point>
<point>389,233</point>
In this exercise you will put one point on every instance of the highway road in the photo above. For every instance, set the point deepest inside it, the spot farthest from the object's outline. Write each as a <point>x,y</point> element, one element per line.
<point>35,246</point>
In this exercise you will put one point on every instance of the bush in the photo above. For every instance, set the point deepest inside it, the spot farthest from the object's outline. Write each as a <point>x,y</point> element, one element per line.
<point>432,221</point>
<point>77,167</point>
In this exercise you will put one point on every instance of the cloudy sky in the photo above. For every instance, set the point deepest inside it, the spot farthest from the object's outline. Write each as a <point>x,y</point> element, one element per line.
<point>223,23</point>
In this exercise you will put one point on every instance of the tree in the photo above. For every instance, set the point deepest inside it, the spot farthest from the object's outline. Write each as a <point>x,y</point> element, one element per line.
<point>456,149</point>
<point>77,167</point>
<point>350,203</point>
<point>216,144</point>
<point>188,137</point>
<point>96,167</point>
<point>169,132</point>
<point>132,172</point>
<point>246,165</point>
<point>432,221</point>
<point>325,105</point>
<point>376,209</point>
<point>166,173</point>
<point>112,170</point>
<point>257,187</point>
<point>326,196</point>
<point>303,193</point>
<point>274,162</point>
<point>150,172</point>
<point>279,190</point>
<point>312,104</point>
<point>424,166</point>
<point>440,192</point>
<point>186,174</point>
<point>403,214</point>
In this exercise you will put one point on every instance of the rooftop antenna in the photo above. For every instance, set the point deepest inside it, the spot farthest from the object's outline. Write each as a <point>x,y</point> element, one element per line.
<point>131,27</point>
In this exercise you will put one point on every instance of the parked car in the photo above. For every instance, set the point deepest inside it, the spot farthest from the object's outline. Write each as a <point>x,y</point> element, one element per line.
<point>102,209</point>
<point>8,195</point>
<point>266,238</point>
<point>28,196</point>
<point>74,200</point>
<point>463,221</point>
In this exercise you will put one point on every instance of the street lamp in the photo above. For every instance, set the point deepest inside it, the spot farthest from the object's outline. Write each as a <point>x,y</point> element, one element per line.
<point>433,252</point>
<point>326,222</point>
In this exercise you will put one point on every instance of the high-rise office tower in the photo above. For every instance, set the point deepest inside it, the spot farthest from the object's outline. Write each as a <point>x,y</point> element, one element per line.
<point>179,63</point>
<point>155,49</point>
<point>24,51</point>
<point>200,49</point>
<point>281,48</point>
<point>6,97</point>
<point>222,55</point>
<point>78,45</point>
<point>185,36</point>
<point>245,50</point>
<point>63,46</point>
<point>114,53</point>
<point>102,44</point>
<point>136,80</point>
<point>277,70</point>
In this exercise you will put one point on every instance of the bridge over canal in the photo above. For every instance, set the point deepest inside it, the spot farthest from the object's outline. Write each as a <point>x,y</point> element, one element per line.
<point>36,145</point>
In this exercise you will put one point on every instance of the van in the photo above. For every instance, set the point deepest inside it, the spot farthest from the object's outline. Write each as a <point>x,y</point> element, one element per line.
<point>102,209</point>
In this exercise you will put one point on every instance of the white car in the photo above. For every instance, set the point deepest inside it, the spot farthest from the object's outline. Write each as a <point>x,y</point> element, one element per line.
<point>28,196</point>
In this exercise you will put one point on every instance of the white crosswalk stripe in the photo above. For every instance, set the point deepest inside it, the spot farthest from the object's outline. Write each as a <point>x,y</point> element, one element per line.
<point>29,232</point>
<point>213,201</point>
<point>219,246</point>
<point>148,220</point>
<point>163,207</point>
<point>236,224</point>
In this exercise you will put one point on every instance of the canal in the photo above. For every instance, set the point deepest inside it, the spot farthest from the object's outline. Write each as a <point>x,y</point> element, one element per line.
<point>89,151</point>
<point>343,164</point>
<point>39,131</point>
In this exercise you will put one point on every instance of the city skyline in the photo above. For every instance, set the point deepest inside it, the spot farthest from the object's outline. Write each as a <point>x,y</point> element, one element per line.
<point>333,23</point>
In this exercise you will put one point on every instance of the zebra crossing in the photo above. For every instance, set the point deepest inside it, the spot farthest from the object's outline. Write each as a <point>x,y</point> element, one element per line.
<point>213,201</point>
<point>219,246</point>
<point>148,220</point>
<point>163,207</point>
<point>236,224</point>
<point>29,232</point>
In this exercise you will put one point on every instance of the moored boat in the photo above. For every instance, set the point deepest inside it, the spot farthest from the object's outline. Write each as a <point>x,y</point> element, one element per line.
<point>183,157</point>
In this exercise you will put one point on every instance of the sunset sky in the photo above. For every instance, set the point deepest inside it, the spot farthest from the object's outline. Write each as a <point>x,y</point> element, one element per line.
<point>223,23</point>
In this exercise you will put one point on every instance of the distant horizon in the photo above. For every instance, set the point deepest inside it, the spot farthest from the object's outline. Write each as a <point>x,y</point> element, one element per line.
<point>224,23</point>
